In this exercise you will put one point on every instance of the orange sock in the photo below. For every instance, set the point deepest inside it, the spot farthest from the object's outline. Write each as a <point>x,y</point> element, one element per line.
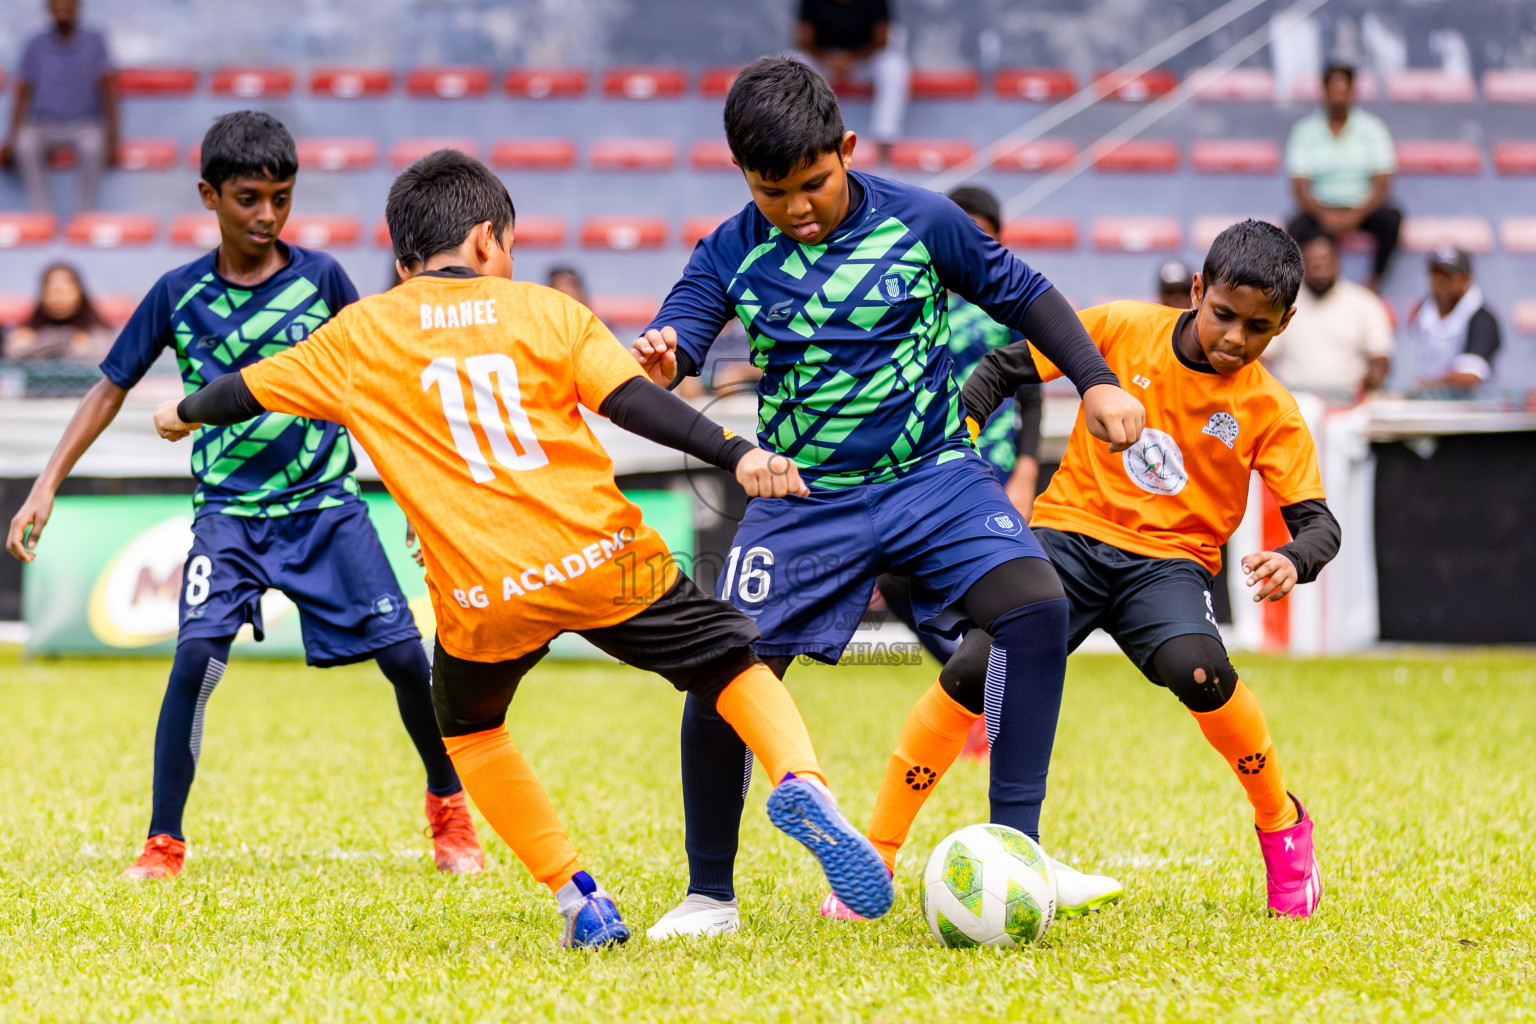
<point>931,739</point>
<point>1238,730</point>
<point>764,715</point>
<point>504,788</point>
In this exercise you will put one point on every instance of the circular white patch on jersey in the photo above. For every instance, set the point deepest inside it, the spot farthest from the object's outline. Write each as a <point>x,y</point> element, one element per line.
<point>1155,464</point>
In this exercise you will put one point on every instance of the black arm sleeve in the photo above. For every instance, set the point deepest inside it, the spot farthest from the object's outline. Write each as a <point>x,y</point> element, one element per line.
<point>642,408</point>
<point>1051,326</point>
<point>685,368</point>
<point>1482,335</point>
<point>1031,412</point>
<point>1316,537</point>
<point>227,400</point>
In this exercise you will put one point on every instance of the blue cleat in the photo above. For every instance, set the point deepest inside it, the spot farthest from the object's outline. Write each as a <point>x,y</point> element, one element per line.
<point>806,812</point>
<point>595,921</point>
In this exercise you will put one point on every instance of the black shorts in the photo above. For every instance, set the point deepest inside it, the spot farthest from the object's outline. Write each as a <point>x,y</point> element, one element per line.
<point>696,642</point>
<point>1142,602</point>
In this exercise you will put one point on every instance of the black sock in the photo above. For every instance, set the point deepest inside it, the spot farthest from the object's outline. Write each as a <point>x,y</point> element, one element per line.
<point>1023,700</point>
<point>198,667</point>
<point>717,769</point>
<point>405,665</point>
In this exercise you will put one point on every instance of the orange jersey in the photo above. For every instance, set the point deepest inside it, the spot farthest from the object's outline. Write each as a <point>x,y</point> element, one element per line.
<point>1181,490</point>
<point>464,391</point>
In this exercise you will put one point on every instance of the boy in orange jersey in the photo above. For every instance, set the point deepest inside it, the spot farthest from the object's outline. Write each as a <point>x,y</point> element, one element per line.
<point>1136,537</point>
<point>532,537</point>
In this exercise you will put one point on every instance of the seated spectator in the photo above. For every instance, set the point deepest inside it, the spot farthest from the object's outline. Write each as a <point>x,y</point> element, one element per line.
<point>853,41</point>
<point>64,326</point>
<point>1174,280</point>
<point>65,99</point>
<point>1339,342</point>
<point>1341,163</point>
<point>567,280</point>
<point>1451,333</point>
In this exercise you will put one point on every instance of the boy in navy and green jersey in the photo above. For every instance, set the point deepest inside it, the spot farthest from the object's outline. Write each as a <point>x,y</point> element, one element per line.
<point>277,505</point>
<point>841,280</point>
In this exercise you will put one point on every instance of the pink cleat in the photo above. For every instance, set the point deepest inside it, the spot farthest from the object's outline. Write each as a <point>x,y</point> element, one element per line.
<point>834,909</point>
<point>1294,883</point>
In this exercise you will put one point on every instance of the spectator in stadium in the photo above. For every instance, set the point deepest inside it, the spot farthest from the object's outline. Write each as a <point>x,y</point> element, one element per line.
<point>1339,343</point>
<point>1341,163</point>
<point>63,326</point>
<point>1451,332</point>
<point>568,280</point>
<point>854,41</point>
<point>1174,280</point>
<point>65,99</point>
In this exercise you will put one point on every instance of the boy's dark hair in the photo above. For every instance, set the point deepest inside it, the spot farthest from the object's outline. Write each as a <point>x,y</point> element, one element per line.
<point>248,144</point>
<point>1336,68</point>
<point>563,270</point>
<point>978,202</point>
<point>781,115</point>
<point>435,203</point>
<point>1255,254</point>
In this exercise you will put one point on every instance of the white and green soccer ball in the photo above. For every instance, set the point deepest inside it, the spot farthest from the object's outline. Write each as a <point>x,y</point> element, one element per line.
<point>988,885</point>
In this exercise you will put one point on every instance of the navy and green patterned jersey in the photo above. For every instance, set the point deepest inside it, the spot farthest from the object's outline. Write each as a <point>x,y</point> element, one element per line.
<point>852,335</point>
<point>275,464</point>
<point>972,334</point>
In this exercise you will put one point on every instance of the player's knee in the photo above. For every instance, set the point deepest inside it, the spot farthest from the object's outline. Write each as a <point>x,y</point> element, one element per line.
<point>708,680</point>
<point>964,676</point>
<point>1196,668</point>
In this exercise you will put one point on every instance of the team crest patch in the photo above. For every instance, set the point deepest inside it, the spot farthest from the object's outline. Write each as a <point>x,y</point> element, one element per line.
<point>1223,427</point>
<point>297,333</point>
<point>1006,524</point>
<point>893,288</point>
<point>1155,463</point>
<point>781,310</point>
<point>386,608</point>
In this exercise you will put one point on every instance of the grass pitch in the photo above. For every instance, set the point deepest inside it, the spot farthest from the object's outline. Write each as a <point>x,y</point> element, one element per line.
<point>310,894</point>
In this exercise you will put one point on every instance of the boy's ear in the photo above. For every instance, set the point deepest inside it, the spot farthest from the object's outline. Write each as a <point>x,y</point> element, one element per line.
<point>485,240</point>
<point>209,195</point>
<point>1196,290</point>
<point>402,271</point>
<point>1285,320</point>
<point>849,141</point>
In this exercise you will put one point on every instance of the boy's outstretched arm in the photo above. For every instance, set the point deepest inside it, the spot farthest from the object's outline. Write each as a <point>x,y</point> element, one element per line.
<point>226,401</point>
<point>1315,540</point>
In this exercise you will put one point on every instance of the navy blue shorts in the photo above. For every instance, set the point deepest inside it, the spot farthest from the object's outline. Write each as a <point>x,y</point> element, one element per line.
<point>804,568</point>
<point>328,562</point>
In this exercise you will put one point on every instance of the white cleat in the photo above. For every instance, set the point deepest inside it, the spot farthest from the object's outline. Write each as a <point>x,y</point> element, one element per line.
<point>1078,894</point>
<point>698,916</point>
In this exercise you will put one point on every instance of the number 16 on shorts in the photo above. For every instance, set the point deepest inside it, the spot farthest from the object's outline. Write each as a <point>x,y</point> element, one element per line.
<point>756,578</point>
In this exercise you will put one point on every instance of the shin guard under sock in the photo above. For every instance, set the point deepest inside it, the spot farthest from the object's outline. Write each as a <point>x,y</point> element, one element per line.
<point>717,771</point>
<point>405,665</point>
<point>764,715</point>
<point>931,739</point>
<point>198,667</point>
<point>1240,733</point>
<point>1025,671</point>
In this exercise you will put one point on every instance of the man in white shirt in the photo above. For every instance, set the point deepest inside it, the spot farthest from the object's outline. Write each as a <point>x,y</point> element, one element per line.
<point>1453,335</point>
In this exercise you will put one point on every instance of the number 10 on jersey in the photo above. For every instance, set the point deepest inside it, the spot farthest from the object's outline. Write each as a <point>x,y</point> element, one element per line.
<point>488,375</point>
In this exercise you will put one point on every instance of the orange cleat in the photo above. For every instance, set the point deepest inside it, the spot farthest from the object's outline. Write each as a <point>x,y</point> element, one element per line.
<point>976,745</point>
<point>162,858</point>
<point>455,846</point>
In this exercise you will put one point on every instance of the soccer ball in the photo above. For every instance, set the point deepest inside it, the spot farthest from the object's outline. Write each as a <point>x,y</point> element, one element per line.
<point>988,885</point>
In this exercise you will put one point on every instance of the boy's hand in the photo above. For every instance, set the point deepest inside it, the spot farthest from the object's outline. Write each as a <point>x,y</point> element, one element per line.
<point>1113,415</point>
<point>1274,570</point>
<point>657,353</point>
<point>769,475</point>
<point>417,555</point>
<point>34,512</point>
<point>169,424</point>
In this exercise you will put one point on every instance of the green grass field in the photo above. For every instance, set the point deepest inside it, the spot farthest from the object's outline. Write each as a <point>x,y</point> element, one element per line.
<point>310,894</point>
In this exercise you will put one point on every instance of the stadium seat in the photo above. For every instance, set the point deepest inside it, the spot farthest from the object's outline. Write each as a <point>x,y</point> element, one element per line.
<point>252,83</point>
<point>1518,234</point>
<point>534,154</point>
<point>632,155</point>
<point>1235,156</point>
<point>1523,313</point>
<point>930,155</point>
<point>1509,85</point>
<point>405,152</point>
<point>1514,158</point>
<point>853,90</point>
<point>1430,85</point>
<point>545,83</point>
<point>111,230</point>
<point>156,81</point>
<point>358,154</point>
<point>351,83</point>
<point>1256,85</point>
<point>696,228</point>
<point>626,310</point>
<point>644,83</point>
<point>1137,156</point>
<point>322,231</point>
<point>1036,155</point>
<point>449,83</point>
<point>710,155</point>
<point>1203,230</point>
<point>1040,233</point>
<point>1037,85</point>
<point>146,154</point>
<point>115,309</point>
<point>539,232</point>
<point>1473,234</point>
<point>1137,234</point>
<point>1148,85</point>
<point>624,233</point>
<point>26,228</point>
<point>197,230</point>
<point>716,82</point>
<point>1439,156</point>
<point>945,84</point>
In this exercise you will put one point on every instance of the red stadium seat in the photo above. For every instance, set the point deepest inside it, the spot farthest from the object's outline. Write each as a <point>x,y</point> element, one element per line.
<point>716,82</point>
<point>156,81</point>
<point>322,231</point>
<point>1510,85</point>
<point>407,151</point>
<point>1256,85</point>
<point>110,230</point>
<point>1235,156</point>
<point>1472,234</point>
<point>351,83</point>
<point>626,310</point>
<point>1037,155</point>
<point>624,232</point>
<point>381,233</point>
<point>1203,230</point>
<point>16,308</point>
<point>449,83</point>
<point>930,155</point>
<point>1524,315</point>
<point>146,154</point>
<point>1137,234</point>
<point>539,232</point>
<point>633,155</point>
<point>644,83</point>
<point>115,309</point>
<point>849,89</point>
<point>1136,156</point>
<point>710,155</point>
<point>945,84</point>
<point>197,230</point>
<point>1430,85</point>
<point>1040,233</point>
<point>1438,156</point>
<point>252,83</point>
<point>1518,234</point>
<point>1514,158</point>
<point>1148,85</point>
<point>337,154</point>
<point>696,228</point>
<point>534,154</point>
<point>545,83</point>
<point>22,228</point>
<point>1038,85</point>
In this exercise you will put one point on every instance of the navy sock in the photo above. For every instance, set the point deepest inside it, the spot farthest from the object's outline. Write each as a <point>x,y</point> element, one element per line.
<point>717,769</point>
<point>198,667</point>
<point>405,665</point>
<point>1025,672</point>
